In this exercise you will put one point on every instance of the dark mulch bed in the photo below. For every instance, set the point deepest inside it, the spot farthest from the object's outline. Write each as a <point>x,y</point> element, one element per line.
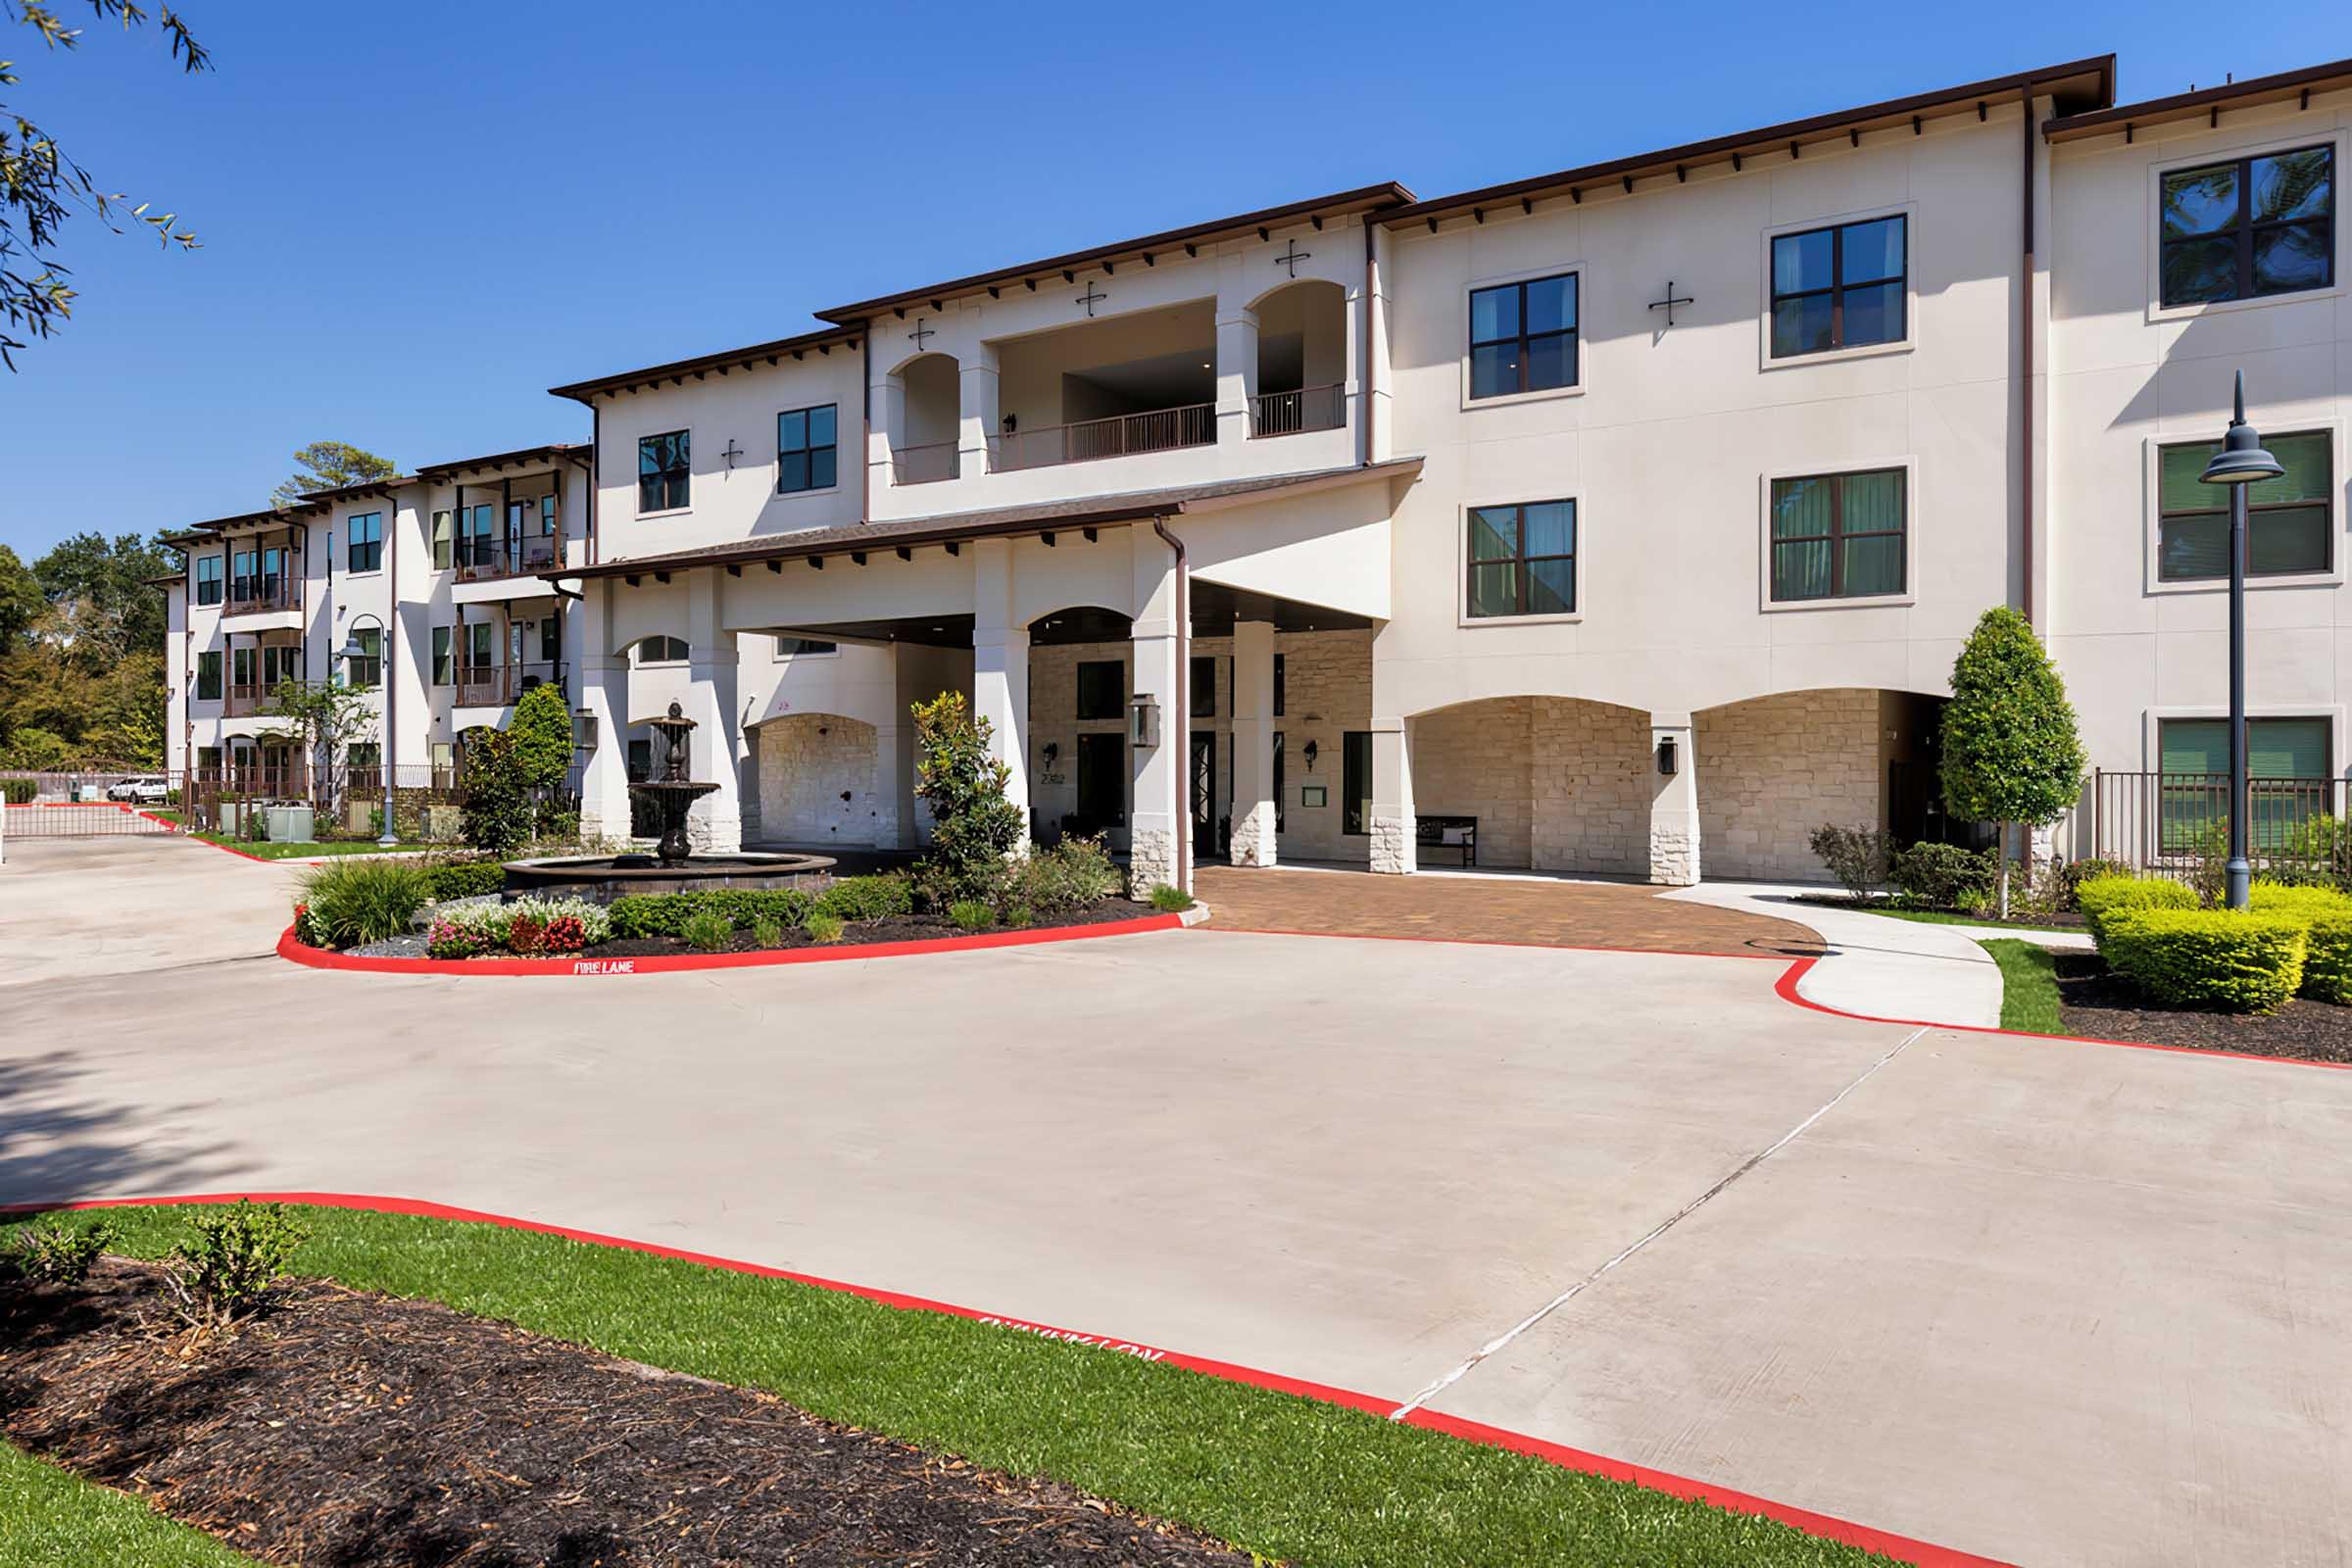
<point>2093,1001</point>
<point>864,933</point>
<point>350,1430</point>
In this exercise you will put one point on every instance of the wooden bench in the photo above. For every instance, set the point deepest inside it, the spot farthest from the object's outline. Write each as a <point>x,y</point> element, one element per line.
<point>1448,833</point>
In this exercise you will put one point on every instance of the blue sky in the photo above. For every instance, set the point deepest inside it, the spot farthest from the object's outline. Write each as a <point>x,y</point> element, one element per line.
<point>417,218</point>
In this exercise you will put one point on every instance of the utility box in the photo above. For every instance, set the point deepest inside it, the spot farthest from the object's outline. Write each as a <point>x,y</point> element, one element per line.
<point>289,824</point>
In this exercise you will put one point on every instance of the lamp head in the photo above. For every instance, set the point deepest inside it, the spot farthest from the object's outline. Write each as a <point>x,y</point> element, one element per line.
<point>2241,460</point>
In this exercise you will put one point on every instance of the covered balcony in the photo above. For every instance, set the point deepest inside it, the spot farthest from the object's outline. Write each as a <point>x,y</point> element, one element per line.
<point>1107,389</point>
<point>265,573</point>
<point>1302,382</point>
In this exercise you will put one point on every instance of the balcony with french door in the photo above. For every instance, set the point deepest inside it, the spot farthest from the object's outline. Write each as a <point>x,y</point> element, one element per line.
<point>263,602</point>
<point>489,560</point>
<point>502,685</point>
<point>260,699</point>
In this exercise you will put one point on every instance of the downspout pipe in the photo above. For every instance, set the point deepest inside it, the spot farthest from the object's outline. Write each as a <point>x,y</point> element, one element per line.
<point>2025,318</point>
<point>1180,720</point>
<point>1363,372</point>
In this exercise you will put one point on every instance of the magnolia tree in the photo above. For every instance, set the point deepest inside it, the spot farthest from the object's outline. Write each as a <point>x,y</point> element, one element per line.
<point>974,826</point>
<point>2010,751</point>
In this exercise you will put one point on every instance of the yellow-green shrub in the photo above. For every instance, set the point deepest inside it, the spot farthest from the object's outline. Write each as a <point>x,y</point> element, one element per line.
<point>2100,897</point>
<point>2224,958</point>
<point>2328,922</point>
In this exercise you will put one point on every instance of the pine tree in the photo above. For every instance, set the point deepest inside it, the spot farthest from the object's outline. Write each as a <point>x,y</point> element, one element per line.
<point>2010,750</point>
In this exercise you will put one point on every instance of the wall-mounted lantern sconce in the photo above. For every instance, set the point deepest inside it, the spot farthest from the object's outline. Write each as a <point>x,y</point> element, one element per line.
<point>1668,760</point>
<point>1142,720</point>
<point>1053,749</point>
<point>584,723</point>
<point>1310,751</point>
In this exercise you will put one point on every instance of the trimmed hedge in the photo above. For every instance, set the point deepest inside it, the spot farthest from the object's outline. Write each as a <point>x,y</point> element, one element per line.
<point>2215,958</point>
<point>666,915</point>
<point>2102,897</point>
<point>2328,921</point>
<point>869,898</point>
<point>464,879</point>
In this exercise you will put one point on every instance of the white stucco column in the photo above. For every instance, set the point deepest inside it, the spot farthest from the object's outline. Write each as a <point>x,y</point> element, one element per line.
<point>605,697</point>
<point>1395,849</point>
<point>890,760</point>
<point>716,747</point>
<point>1156,808</point>
<point>1236,371</point>
<point>1000,668</point>
<point>1253,743</point>
<point>1674,802</point>
<point>977,420</point>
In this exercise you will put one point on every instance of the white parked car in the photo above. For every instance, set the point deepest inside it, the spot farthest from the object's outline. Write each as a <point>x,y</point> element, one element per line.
<point>149,789</point>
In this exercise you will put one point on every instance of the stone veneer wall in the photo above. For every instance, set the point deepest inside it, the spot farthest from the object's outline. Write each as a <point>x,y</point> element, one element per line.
<point>804,764</point>
<point>1556,784</point>
<point>1327,680</point>
<point>1772,770</point>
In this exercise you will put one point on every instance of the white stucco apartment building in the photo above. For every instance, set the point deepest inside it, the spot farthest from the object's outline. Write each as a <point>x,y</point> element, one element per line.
<point>1633,513</point>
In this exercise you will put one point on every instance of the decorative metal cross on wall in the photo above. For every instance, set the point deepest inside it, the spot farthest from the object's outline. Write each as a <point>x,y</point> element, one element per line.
<point>732,452</point>
<point>1090,298</point>
<point>1293,257</point>
<point>1670,302</point>
<point>921,333</point>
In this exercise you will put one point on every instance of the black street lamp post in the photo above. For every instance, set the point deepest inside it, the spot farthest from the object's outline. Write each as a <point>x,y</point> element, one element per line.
<point>386,676</point>
<point>2241,461</point>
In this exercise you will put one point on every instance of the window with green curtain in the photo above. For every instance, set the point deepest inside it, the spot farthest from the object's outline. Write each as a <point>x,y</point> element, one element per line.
<point>1523,559</point>
<point>2290,521</point>
<point>1839,535</point>
<point>2193,796</point>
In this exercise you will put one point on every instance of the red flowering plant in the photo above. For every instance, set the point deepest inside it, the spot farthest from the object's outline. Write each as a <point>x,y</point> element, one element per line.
<point>564,934</point>
<point>525,935</point>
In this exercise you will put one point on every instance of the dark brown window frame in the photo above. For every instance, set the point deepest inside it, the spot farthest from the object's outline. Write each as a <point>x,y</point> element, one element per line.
<point>2244,228</point>
<point>1836,538</point>
<point>1522,560</point>
<point>211,588</point>
<point>207,675</point>
<point>676,491</point>
<point>2254,509</point>
<point>1521,339</point>
<point>1838,288</point>
<point>354,544</point>
<point>808,449</point>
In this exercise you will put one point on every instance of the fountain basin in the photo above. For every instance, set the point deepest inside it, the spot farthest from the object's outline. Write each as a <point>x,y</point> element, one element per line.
<point>601,879</point>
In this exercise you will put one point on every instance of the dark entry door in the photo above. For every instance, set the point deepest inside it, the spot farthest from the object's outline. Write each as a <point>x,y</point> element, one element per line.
<point>1205,787</point>
<point>1102,781</point>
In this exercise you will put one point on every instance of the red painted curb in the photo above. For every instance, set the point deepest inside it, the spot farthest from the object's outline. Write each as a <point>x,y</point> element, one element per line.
<point>1786,987</point>
<point>295,951</point>
<point>1824,1526</point>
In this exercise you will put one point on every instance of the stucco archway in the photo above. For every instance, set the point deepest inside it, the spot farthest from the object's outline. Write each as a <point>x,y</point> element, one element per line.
<point>1773,768</point>
<point>1556,783</point>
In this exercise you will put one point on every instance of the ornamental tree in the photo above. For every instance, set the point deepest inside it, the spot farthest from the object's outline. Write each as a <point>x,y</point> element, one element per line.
<point>974,826</point>
<point>2011,753</point>
<point>542,731</point>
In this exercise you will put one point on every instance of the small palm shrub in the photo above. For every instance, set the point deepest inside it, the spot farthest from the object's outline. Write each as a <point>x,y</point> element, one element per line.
<point>823,926</point>
<point>767,933</point>
<point>2100,897</point>
<point>1019,915</point>
<point>870,898</point>
<point>226,1272</point>
<point>708,929</point>
<point>1856,857</point>
<point>362,898</point>
<point>2232,960</point>
<point>971,914</point>
<point>1171,901</point>
<point>57,1254</point>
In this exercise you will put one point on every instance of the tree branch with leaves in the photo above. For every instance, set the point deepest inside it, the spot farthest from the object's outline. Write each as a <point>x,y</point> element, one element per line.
<point>42,187</point>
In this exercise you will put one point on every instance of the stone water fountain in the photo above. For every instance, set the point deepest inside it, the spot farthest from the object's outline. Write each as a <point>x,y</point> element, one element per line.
<point>674,867</point>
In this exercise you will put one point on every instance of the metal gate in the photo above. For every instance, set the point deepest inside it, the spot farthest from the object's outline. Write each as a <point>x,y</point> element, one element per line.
<point>58,819</point>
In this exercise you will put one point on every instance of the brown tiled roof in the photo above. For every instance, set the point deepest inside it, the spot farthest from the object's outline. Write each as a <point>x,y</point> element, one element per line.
<point>1036,518</point>
<point>702,365</point>
<point>2297,85</point>
<point>247,519</point>
<point>499,460</point>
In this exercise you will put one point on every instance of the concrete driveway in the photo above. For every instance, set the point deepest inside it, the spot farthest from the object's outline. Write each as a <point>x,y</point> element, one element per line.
<point>2046,1302</point>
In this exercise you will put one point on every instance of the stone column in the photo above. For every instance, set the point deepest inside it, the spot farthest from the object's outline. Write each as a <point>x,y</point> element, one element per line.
<point>1674,802</point>
<point>1253,743</point>
<point>1395,848</point>
<point>605,694</point>
<point>715,746</point>
<point>1237,372</point>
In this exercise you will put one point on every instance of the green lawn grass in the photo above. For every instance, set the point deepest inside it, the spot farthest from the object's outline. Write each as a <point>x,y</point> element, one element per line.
<point>1286,1477</point>
<point>267,851</point>
<point>49,1518</point>
<point>1938,916</point>
<point>2028,985</point>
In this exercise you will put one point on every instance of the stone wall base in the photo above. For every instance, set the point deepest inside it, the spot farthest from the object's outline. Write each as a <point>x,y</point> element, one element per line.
<point>1150,859</point>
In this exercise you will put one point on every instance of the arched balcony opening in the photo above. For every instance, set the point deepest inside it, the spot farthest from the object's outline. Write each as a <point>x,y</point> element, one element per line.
<point>927,415</point>
<point>1302,359</point>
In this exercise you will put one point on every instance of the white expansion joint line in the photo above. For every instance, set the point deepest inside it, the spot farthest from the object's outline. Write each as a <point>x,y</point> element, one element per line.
<point>1661,1228</point>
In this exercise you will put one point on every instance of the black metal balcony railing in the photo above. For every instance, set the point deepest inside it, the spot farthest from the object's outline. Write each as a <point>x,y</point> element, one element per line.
<point>1313,407</point>
<point>927,464</point>
<point>497,685</point>
<point>1126,435</point>
<point>479,558</point>
<point>250,594</point>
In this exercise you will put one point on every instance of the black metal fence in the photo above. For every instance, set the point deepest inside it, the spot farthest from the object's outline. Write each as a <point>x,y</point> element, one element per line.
<point>2172,824</point>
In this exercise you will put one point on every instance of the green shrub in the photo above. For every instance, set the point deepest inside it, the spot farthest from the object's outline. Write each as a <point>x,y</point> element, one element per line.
<point>765,933</point>
<point>464,879</point>
<point>1855,855</point>
<point>1019,917</point>
<point>2236,961</point>
<point>363,898</point>
<point>1171,901</point>
<point>1074,874</point>
<point>869,898</point>
<point>2327,916</point>
<point>824,926</point>
<point>19,791</point>
<point>664,914</point>
<point>1939,876</point>
<point>226,1272</point>
<point>57,1254</point>
<point>2072,875</point>
<point>542,735</point>
<point>494,785</point>
<point>708,929</point>
<point>974,827</point>
<point>549,925</point>
<point>971,914</point>
<point>2100,897</point>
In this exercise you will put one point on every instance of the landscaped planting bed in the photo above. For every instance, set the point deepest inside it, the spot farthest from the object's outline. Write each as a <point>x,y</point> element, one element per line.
<point>346,1428</point>
<point>2096,1003</point>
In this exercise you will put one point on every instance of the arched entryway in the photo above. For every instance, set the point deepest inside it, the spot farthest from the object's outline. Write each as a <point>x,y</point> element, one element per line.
<point>1773,768</point>
<point>1552,784</point>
